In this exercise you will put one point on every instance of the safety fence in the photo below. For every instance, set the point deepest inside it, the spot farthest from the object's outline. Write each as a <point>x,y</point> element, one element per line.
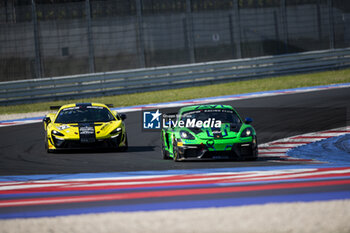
<point>40,38</point>
<point>169,77</point>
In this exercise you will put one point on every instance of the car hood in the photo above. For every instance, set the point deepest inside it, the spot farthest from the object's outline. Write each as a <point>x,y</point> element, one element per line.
<point>101,129</point>
<point>226,131</point>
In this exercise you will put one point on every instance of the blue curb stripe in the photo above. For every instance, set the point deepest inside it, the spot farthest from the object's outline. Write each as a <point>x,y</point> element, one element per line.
<point>334,150</point>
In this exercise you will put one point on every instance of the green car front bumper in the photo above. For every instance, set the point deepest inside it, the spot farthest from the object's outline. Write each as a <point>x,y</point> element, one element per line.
<point>218,149</point>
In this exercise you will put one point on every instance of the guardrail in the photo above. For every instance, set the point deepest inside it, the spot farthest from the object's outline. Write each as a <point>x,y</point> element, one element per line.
<point>149,79</point>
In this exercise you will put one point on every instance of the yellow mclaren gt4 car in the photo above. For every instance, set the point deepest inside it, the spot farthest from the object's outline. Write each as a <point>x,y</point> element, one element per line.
<point>85,125</point>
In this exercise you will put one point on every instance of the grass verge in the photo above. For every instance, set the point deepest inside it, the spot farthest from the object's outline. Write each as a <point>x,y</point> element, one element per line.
<point>266,84</point>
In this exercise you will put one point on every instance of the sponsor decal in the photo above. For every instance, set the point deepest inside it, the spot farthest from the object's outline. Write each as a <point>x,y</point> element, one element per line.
<point>86,130</point>
<point>63,127</point>
<point>87,133</point>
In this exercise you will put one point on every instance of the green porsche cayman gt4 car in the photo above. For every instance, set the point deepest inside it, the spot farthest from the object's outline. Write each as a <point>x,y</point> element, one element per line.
<point>208,132</point>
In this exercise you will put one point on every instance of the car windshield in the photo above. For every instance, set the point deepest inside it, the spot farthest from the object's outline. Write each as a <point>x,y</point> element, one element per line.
<point>223,115</point>
<point>84,114</point>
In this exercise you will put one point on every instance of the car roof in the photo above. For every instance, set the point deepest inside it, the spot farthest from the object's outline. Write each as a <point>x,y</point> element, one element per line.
<point>209,106</point>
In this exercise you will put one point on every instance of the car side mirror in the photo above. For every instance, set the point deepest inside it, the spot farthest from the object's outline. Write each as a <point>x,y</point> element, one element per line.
<point>47,120</point>
<point>248,120</point>
<point>122,116</point>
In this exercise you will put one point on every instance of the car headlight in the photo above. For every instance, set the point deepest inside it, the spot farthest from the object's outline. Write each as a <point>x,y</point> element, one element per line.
<point>117,130</point>
<point>247,132</point>
<point>57,133</point>
<point>186,135</point>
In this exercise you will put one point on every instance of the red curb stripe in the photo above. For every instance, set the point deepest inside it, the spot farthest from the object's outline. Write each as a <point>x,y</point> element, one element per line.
<point>167,193</point>
<point>82,186</point>
<point>272,152</point>
<point>311,137</point>
<point>337,131</point>
<point>275,147</point>
<point>288,142</point>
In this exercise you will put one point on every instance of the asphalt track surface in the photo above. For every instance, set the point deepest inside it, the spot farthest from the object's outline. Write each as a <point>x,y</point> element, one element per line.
<point>243,182</point>
<point>22,147</point>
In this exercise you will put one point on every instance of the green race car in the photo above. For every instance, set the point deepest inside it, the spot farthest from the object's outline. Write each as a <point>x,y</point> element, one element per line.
<point>208,132</point>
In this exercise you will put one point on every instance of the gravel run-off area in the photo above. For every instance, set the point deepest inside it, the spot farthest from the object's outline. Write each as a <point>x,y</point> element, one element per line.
<point>300,217</point>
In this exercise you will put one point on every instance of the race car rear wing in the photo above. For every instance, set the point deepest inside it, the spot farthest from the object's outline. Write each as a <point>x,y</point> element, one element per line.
<point>55,107</point>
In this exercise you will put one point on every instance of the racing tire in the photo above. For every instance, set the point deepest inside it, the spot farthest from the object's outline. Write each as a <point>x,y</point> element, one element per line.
<point>255,153</point>
<point>164,153</point>
<point>47,146</point>
<point>176,156</point>
<point>126,147</point>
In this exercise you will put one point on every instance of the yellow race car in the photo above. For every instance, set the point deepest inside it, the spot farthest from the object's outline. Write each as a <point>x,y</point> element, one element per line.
<point>84,126</point>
